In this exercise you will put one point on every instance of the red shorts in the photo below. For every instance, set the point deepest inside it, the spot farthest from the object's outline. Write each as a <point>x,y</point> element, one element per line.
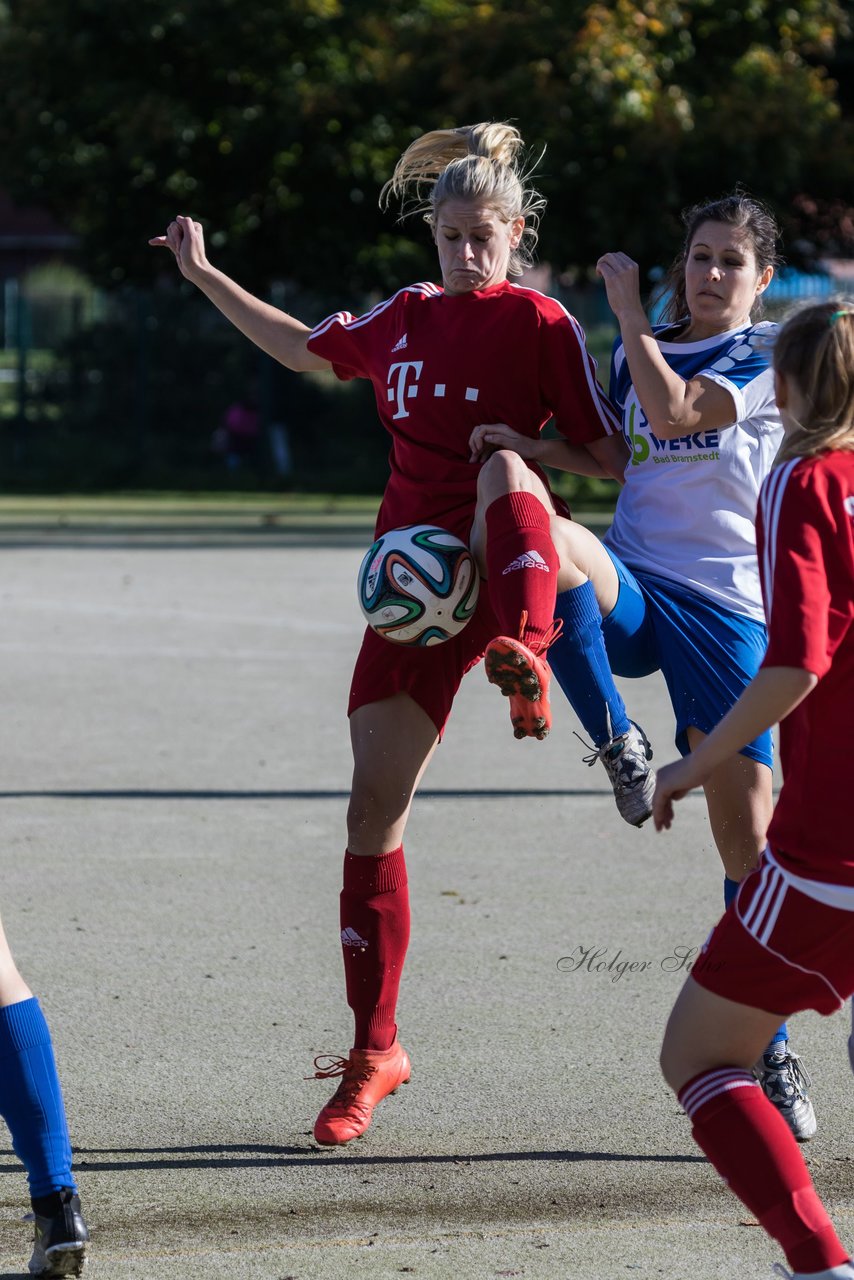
<point>431,675</point>
<point>779,949</point>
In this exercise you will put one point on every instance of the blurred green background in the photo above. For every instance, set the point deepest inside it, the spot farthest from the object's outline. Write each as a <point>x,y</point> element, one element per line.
<point>277,125</point>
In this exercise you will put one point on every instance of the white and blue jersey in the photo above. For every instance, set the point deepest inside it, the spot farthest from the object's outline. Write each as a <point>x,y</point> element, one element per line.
<point>687,510</point>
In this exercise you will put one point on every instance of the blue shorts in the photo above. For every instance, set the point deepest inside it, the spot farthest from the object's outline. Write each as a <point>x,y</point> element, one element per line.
<point>707,655</point>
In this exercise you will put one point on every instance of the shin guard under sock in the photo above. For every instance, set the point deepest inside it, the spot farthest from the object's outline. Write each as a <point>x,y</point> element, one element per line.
<point>580,665</point>
<point>31,1098</point>
<point>374,939</point>
<point>522,566</point>
<point>752,1148</point>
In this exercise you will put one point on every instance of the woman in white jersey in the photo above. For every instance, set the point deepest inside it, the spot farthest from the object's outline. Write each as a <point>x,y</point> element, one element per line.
<point>675,585</point>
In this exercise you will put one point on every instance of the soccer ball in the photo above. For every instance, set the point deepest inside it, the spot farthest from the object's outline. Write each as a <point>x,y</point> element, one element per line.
<point>418,585</point>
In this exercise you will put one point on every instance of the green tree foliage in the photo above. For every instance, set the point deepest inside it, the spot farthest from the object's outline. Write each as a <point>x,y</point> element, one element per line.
<point>277,124</point>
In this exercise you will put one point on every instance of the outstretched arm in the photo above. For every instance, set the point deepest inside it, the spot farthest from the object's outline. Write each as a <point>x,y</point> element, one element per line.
<point>274,331</point>
<point>768,699</point>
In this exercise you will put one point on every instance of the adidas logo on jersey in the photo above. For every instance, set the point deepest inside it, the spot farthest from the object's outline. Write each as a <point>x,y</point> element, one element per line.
<point>530,560</point>
<point>350,938</point>
<point>400,345</point>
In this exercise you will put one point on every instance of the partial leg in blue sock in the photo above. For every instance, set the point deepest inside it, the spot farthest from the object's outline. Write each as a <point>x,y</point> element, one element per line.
<point>580,665</point>
<point>31,1098</point>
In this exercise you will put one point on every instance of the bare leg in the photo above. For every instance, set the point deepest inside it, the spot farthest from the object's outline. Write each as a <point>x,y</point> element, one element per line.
<point>740,803</point>
<point>706,1031</point>
<point>393,742</point>
<point>12,985</point>
<point>583,558</point>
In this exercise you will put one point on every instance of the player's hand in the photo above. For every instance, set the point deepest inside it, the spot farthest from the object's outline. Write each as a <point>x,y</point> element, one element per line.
<point>622,282</point>
<point>488,437</point>
<point>672,783</point>
<point>187,241</point>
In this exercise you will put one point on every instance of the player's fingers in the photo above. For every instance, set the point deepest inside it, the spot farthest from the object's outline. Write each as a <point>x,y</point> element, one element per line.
<point>662,812</point>
<point>189,226</point>
<point>616,264</point>
<point>481,436</point>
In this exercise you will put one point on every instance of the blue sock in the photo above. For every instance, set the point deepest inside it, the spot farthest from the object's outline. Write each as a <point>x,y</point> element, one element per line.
<point>31,1098</point>
<point>580,665</point>
<point>730,890</point>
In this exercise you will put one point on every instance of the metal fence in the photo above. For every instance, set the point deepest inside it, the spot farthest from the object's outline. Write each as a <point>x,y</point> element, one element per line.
<point>131,388</point>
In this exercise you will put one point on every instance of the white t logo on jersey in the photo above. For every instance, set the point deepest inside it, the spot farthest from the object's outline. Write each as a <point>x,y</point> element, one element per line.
<point>404,386</point>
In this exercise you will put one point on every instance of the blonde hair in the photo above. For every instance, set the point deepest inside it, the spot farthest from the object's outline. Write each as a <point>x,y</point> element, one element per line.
<point>815,348</point>
<point>475,162</point>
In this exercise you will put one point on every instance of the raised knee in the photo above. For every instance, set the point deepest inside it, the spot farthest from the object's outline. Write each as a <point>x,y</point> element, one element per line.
<point>503,472</point>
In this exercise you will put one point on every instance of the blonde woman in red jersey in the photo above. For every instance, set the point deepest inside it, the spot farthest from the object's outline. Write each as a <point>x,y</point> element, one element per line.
<point>787,941</point>
<point>442,360</point>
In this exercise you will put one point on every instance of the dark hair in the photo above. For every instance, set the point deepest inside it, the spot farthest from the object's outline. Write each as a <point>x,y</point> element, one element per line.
<point>815,348</point>
<point>738,210</point>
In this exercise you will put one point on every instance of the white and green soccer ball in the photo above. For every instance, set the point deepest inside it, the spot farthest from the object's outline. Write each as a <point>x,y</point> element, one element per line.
<point>418,585</point>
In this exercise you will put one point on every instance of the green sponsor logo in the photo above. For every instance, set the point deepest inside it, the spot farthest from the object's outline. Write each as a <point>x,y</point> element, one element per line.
<point>640,445</point>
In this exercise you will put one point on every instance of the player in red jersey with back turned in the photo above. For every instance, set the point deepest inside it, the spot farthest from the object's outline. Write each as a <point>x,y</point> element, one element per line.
<point>442,361</point>
<point>787,941</point>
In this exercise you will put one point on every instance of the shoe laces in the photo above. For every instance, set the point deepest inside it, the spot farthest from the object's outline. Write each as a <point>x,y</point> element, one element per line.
<point>553,633</point>
<point>599,753</point>
<point>354,1076</point>
<point>596,752</point>
<point>630,765</point>
<point>801,1078</point>
<point>784,1078</point>
<point>593,758</point>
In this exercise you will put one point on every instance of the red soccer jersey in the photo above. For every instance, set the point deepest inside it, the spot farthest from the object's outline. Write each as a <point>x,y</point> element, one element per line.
<point>443,364</point>
<point>805,534</point>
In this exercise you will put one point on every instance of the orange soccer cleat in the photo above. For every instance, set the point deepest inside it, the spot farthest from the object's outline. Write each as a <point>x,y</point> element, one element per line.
<point>524,677</point>
<point>369,1075</point>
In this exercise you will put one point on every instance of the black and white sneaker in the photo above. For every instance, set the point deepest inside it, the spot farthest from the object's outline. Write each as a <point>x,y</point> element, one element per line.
<point>626,759</point>
<point>785,1082</point>
<point>61,1236</point>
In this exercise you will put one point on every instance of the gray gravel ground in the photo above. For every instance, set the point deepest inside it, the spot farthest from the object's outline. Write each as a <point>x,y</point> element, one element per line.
<point>175,764</point>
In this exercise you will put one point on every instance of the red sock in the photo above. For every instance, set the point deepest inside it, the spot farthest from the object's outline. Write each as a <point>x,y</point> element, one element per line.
<point>752,1148</point>
<point>522,566</point>
<point>374,938</point>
